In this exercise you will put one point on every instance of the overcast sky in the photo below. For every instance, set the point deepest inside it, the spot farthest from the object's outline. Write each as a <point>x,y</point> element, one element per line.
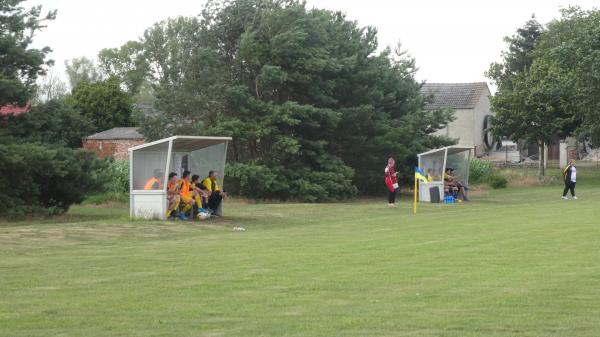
<point>452,41</point>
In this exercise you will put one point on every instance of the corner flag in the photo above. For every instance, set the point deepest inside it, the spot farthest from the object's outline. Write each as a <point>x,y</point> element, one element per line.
<point>419,175</point>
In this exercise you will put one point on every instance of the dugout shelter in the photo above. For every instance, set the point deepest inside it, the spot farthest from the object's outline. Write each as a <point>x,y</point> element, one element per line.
<point>434,163</point>
<point>174,154</point>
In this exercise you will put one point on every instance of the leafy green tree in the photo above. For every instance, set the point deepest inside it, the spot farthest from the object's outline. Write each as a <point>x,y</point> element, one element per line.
<point>570,47</point>
<point>128,63</point>
<point>185,72</point>
<point>53,122</point>
<point>520,109</point>
<point>313,108</point>
<point>518,57</point>
<point>82,69</point>
<point>103,103</point>
<point>389,122</point>
<point>50,177</point>
<point>20,65</point>
<point>533,109</point>
<point>552,90</point>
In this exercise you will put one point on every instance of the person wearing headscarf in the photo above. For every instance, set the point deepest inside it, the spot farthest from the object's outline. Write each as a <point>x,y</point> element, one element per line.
<point>391,182</point>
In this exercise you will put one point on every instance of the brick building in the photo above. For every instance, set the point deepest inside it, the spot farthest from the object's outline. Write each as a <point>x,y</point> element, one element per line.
<point>114,142</point>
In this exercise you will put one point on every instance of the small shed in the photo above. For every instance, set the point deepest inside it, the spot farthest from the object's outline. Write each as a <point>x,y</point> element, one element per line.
<point>174,154</point>
<point>434,163</point>
<point>113,142</point>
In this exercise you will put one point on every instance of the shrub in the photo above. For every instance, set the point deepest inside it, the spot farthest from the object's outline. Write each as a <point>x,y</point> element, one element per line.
<point>497,181</point>
<point>43,179</point>
<point>116,187</point>
<point>258,181</point>
<point>479,171</point>
<point>254,181</point>
<point>118,175</point>
<point>317,186</point>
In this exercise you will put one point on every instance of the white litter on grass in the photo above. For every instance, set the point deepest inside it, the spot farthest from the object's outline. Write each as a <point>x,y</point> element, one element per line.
<point>239,229</point>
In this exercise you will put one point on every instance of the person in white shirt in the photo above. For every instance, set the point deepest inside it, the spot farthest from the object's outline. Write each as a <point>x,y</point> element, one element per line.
<point>570,176</point>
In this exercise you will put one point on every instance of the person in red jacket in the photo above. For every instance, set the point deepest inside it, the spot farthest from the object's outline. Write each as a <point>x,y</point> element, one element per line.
<point>391,182</point>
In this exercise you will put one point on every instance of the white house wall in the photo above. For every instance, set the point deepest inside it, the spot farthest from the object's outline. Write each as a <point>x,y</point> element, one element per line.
<point>468,125</point>
<point>461,127</point>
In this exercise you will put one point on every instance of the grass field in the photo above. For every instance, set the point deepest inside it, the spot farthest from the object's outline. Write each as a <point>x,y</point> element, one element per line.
<point>515,262</point>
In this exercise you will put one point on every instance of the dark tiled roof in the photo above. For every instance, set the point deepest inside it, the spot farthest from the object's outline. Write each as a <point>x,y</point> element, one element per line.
<point>454,95</point>
<point>117,133</point>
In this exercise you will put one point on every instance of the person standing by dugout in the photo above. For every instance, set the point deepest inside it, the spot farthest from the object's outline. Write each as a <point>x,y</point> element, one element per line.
<point>570,176</point>
<point>391,182</point>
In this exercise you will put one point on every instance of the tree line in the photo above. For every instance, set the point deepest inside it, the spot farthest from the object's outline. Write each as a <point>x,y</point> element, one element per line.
<point>43,171</point>
<point>313,104</point>
<point>548,80</point>
<point>313,107</point>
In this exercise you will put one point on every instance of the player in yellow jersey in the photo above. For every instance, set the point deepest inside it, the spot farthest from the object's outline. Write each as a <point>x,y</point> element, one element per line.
<point>173,197</point>
<point>199,193</point>
<point>216,196</point>
<point>185,193</point>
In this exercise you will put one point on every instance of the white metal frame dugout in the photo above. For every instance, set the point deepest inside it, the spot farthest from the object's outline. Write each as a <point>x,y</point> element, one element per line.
<point>435,162</point>
<point>174,154</point>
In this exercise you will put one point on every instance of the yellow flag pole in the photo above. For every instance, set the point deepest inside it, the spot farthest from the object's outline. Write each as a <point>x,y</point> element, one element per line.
<point>415,196</point>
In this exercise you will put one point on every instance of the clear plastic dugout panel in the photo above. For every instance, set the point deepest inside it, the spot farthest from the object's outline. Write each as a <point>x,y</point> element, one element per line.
<point>460,163</point>
<point>433,165</point>
<point>147,162</point>
<point>208,159</point>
